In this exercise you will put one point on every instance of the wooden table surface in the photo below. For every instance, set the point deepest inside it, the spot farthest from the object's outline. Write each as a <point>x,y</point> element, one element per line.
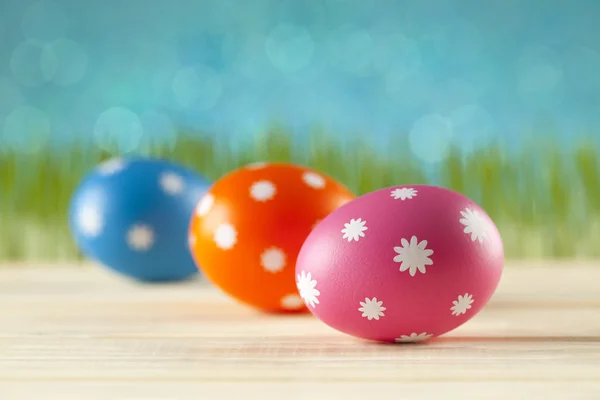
<point>83,333</point>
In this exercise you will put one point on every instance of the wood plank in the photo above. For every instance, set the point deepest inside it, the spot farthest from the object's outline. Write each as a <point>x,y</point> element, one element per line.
<point>84,333</point>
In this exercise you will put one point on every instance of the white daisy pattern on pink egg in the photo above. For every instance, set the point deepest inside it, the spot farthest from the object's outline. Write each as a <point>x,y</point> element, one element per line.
<point>354,230</point>
<point>414,251</point>
<point>413,256</point>
<point>474,224</point>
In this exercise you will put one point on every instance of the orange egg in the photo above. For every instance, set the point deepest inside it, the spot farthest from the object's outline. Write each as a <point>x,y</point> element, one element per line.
<point>249,227</point>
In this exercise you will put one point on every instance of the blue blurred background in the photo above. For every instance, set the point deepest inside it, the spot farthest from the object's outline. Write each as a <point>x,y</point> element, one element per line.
<point>499,100</point>
<point>499,69</point>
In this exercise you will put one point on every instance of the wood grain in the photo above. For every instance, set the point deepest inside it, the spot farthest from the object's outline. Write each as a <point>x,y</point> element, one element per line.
<point>83,333</point>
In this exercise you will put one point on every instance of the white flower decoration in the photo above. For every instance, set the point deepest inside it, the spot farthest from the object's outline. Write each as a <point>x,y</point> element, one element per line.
<point>474,224</point>
<point>354,230</point>
<point>257,165</point>
<point>225,236</point>
<point>171,183</point>
<point>205,205</point>
<point>262,190</point>
<point>140,237</point>
<point>372,309</point>
<point>462,304</point>
<point>413,256</point>
<point>413,337</point>
<point>111,167</point>
<point>313,180</point>
<point>89,221</point>
<point>403,193</point>
<point>292,302</point>
<point>307,286</point>
<point>273,260</point>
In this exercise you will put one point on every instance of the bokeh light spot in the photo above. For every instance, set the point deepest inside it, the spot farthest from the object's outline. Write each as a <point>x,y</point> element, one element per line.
<point>10,95</point>
<point>26,130</point>
<point>409,92</point>
<point>452,94</point>
<point>64,62</point>
<point>473,126</point>
<point>198,87</point>
<point>118,130</point>
<point>351,51</point>
<point>430,138</point>
<point>25,64</point>
<point>44,22</point>
<point>459,41</point>
<point>158,130</point>
<point>290,48</point>
<point>397,56</point>
<point>539,78</point>
<point>583,69</point>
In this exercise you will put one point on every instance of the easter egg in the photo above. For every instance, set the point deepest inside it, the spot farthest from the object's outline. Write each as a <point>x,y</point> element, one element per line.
<point>401,264</point>
<point>132,216</point>
<point>248,228</point>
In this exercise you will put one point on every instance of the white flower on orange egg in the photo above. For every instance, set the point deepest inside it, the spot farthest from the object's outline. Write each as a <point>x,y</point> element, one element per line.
<point>205,205</point>
<point>273,260</point>
<point>292,302</point>
<point>313,180</point>
<point>262,190</point>
<point>225,236</point>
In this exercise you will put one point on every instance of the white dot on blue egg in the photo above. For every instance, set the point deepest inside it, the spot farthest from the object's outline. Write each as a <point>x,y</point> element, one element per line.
<point>26,129</point>
<point>25,64</point>
<point>64,62</point>
<point>10,95</point>
<point>44,22</point>
<point>289,47</point>
<point>197,87</point>
<point>111,167</point>
<point>90,221</point>
<point>140,237</point>
<point>118,129</point>
<point>430,138</point>
<point>171,183</point>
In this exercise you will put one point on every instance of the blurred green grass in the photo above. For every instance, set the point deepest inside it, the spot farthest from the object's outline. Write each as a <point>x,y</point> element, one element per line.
<point>544,199</point>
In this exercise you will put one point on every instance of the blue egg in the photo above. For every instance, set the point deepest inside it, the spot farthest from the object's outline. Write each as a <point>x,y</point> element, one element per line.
<point>133,215</point>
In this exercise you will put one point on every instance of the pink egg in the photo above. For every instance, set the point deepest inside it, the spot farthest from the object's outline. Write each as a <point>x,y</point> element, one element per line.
<point>401,264</point>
